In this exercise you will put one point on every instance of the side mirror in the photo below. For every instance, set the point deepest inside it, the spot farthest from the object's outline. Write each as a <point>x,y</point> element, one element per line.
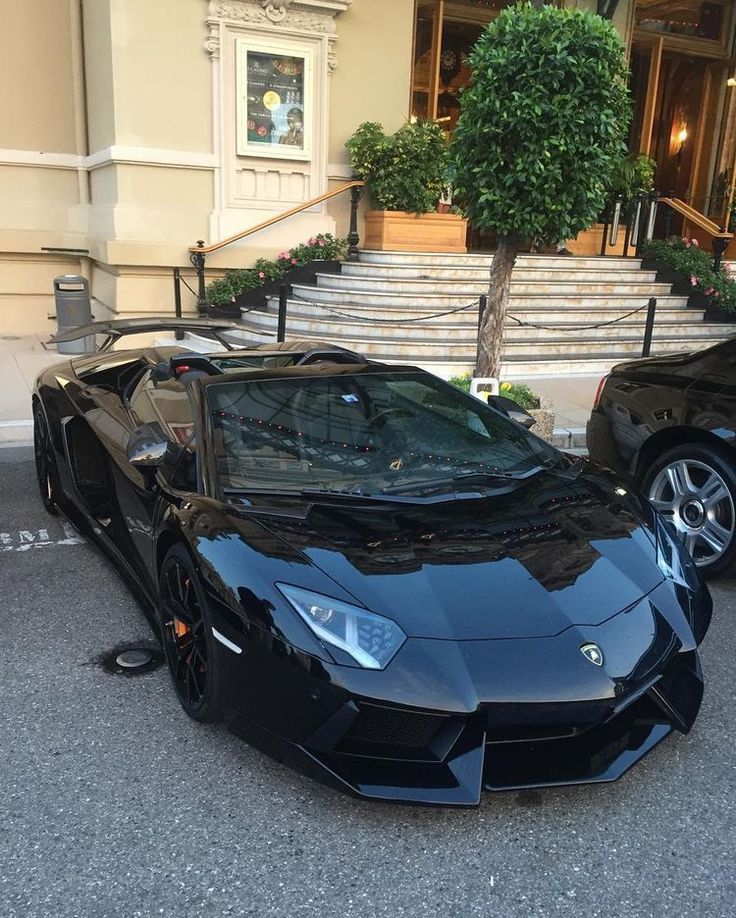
<point>509,407</point>
<point>148,447</point>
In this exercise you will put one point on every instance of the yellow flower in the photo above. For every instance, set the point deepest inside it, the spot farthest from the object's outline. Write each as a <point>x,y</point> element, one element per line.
<point>505,386</point>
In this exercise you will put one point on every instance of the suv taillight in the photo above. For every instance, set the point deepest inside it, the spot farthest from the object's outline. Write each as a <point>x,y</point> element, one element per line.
<point>599,392</point>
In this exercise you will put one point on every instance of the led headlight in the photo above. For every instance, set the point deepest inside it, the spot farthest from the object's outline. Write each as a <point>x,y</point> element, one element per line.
<point>370,639</point>
<point>673,558</point>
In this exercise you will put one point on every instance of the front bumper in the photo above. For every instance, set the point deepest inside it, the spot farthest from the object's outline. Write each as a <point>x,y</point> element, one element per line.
<point>386,753</point>
<point>448,719</point>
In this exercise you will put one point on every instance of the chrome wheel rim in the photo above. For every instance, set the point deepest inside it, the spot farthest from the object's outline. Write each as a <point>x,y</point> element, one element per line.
<point>696,499</point>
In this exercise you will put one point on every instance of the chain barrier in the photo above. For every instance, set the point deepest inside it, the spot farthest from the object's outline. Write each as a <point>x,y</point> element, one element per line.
<point>437,315</point>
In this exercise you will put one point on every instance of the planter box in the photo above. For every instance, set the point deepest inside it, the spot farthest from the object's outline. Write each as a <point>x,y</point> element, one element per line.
<point>396,231</point>
<point>589,241</point>
<point>545,422</point>
<point>258,297</point>
<point>716,314</point>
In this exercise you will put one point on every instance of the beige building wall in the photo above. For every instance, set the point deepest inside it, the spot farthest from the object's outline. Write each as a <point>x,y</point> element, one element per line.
<point>118,137</point>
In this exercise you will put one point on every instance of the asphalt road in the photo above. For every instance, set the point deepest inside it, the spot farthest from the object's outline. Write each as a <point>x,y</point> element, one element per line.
<point>114,803</point>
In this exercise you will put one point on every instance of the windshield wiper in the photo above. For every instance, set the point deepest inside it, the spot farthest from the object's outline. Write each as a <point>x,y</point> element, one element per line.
<point>312,493</point>
<point>470,476</point>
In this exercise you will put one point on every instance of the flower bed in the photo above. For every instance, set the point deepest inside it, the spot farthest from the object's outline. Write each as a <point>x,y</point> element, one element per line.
<point>682,262</point>
<point>523,396</point>
<point>231,292</point>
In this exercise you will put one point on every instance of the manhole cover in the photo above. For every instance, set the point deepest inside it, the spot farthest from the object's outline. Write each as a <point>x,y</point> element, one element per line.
<point>131,660</point>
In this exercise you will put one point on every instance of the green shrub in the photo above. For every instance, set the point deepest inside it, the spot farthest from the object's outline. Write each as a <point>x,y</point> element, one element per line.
<point>322,247</point>
<point>686,258</point>
<point>633,175</point>
<point>404,172</point>
<point>517,392</point>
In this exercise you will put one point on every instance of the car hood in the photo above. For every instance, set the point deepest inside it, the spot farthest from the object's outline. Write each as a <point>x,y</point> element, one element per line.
<point>553,553</point>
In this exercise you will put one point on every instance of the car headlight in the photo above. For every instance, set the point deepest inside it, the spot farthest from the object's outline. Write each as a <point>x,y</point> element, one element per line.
<point>673,558</point>
<point>370,639</point>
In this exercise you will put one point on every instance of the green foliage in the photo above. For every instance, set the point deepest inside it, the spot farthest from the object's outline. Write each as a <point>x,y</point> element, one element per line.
<point>541,124</point>
<point>404,172</point>
<point>632,175</point>
<point>517,392</point>
<point>521,394</point>
<point>685,257</point>
<point>323,247</point>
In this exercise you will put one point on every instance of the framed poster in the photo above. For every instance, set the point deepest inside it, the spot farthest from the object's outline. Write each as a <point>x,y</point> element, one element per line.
<point>274,101</point>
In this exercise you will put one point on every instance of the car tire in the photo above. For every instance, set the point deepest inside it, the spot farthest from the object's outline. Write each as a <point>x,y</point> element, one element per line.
<point>694,485</point>
<point>46,473</point>
<point>193,656</point>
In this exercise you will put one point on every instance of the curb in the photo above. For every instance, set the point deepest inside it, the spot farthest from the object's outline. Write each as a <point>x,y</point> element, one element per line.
<point>16,433</point>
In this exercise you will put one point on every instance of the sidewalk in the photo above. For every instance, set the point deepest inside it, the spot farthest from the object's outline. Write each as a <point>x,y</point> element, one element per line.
<point>21,359</point>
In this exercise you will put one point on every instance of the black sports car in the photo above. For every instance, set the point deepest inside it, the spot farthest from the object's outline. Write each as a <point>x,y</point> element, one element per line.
<point>669,424</point>
<point>373,576</point>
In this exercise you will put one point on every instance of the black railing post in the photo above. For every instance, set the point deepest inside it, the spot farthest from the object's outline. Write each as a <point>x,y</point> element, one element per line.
<point>178,334</point>
<point>606,223</point>
<point>720,244</point>
<point>283,305</point>
<point>353,237</point>
<point>649,327</point>
<point>482,303</point>
<point>198,259</point>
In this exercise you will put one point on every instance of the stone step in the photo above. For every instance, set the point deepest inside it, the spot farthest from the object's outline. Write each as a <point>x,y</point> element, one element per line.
<point>436,302</point>
<point>451,259</point>
<point>468,272</point>
<point>373,340</point>
<point>469,289</point>
<point>531,309</point>
<point>311,325</point>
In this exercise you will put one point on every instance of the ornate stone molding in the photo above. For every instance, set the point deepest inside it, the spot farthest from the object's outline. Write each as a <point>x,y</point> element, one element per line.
<point>316,16</point>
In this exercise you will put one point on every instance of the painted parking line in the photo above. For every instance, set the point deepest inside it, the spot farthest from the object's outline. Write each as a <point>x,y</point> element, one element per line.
<point>27,539</point>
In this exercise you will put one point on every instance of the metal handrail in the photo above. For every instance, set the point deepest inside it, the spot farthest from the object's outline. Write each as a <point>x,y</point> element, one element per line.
<point>199,252</point>
<point>215,246</point>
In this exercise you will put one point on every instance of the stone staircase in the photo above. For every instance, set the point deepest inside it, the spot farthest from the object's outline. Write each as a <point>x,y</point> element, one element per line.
<point>376,306</point>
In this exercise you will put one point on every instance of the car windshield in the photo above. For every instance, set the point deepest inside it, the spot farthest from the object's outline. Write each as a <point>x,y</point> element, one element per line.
<point>363,433</point>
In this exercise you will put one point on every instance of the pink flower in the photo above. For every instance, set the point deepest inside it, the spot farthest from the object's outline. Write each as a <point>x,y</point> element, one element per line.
<point>695,243</point>
<point>283,256</point>
<point>312,241</point>
<point>262,275</point>
<point>293,261</point>
<point>694,281</point>
<point>710,291</point>
<point>322,243</point>
<point>687,243</point>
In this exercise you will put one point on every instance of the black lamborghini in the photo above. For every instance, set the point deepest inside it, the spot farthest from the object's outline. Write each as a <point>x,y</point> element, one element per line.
<point>369,574</point>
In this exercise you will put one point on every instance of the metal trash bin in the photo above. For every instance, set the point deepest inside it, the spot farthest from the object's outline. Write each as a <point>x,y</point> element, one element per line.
<point>73,309</point>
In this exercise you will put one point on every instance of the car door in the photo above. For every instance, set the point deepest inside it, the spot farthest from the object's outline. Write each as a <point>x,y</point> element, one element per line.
<point>143,493</point>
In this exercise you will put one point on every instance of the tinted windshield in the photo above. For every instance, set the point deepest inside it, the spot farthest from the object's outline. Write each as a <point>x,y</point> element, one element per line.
<point>361,433</point>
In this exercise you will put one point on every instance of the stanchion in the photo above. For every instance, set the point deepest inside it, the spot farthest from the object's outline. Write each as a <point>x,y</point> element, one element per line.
<point>283,305</point>
<point>649,327</point>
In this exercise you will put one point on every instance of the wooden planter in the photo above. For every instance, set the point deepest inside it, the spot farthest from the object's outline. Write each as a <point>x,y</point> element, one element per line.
<point>589,241</point>
<point>396,231</point>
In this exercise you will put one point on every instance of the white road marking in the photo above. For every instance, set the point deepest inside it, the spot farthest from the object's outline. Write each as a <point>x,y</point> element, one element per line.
<point>25,539</point>
<point>229,644</point>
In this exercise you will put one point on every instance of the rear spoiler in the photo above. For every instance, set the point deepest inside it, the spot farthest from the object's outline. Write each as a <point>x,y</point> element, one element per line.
<point>114,329</point>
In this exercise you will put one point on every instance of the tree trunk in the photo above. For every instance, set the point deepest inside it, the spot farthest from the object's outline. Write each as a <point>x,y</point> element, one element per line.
<point>490,335</point>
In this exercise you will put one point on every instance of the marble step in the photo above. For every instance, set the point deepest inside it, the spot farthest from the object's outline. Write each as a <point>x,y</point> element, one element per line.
<point>441,259</point>
<point>466,288</point>
<point>476,274</point>
<point>312,325</point>
<point>435,302</point>
<point>670,308</point>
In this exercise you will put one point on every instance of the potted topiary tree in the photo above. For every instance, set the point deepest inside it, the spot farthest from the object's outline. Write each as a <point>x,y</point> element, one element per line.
<point>405,177</point>
<point>539,135</point>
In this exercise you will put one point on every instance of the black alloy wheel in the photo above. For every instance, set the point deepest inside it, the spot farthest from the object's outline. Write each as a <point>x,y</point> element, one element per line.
<point>694,487</point>
<point>45,464</point>
<point>192,654</point>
